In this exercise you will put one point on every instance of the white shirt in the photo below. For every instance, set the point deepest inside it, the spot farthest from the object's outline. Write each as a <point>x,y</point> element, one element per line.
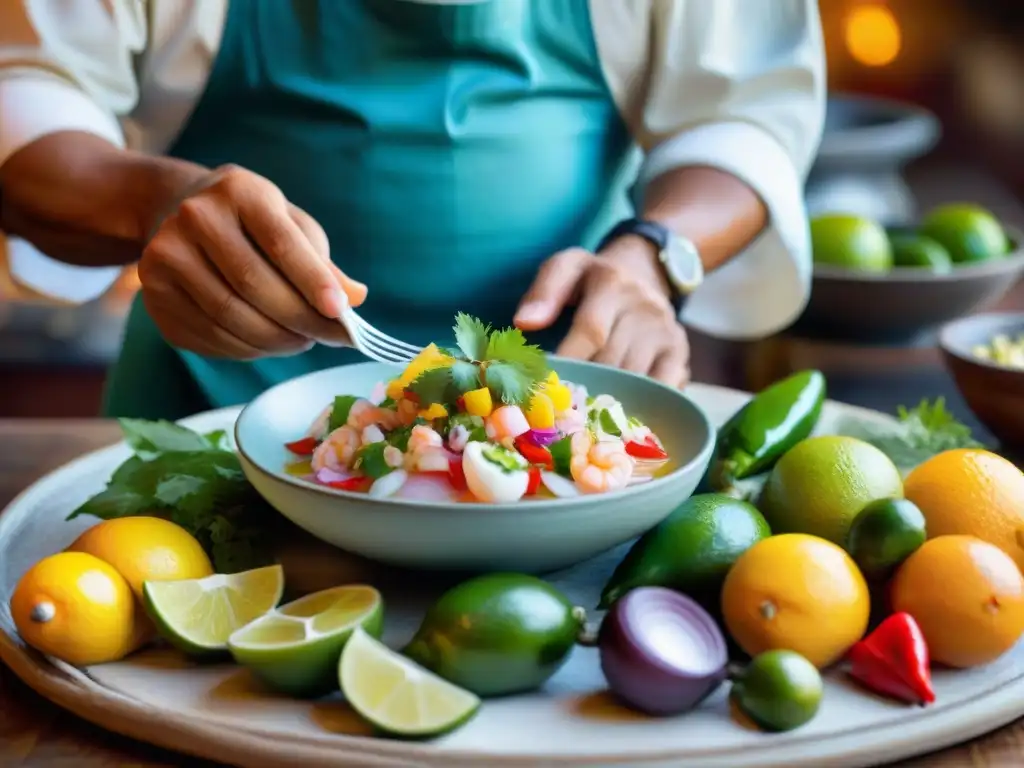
<point>733,84</point>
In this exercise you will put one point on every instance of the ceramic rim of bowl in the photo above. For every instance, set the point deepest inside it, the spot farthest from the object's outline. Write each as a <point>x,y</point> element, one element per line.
<point>703,455</point>
<point>949,347</point>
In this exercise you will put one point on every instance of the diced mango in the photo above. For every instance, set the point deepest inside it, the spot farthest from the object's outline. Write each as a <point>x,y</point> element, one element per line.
<point>435,411</point>
<point>541,413</point>
<point>552,379</point>
<point>561,396</point>
<point>478,402</point>
<point>430,357</point>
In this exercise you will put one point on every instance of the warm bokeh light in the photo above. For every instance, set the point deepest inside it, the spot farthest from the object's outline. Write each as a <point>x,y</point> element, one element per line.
<point>872,35</point>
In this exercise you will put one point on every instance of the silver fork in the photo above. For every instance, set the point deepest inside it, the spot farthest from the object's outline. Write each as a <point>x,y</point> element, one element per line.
<point>374,343</point>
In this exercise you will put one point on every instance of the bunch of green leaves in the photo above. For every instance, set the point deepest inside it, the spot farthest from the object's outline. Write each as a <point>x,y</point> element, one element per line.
<point>922,432</point>
<point>501,360</point>
<point>193,480</point>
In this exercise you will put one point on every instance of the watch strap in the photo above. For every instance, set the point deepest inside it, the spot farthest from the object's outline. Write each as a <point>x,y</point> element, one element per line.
<point>658,235</point>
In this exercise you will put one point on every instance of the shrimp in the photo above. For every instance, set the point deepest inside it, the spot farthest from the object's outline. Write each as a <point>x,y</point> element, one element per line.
<point>407,411</point>
<point>364,414</point>
<point>425,451</point>
<point>337,451</point>
<point>422,437</point>
<point>599,466</point>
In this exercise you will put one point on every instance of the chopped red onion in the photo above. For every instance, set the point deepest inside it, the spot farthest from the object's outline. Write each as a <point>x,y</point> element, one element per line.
<point>328,476</point>
<point>561,487</point>
<point>389,484</point>
<point>541,437</point>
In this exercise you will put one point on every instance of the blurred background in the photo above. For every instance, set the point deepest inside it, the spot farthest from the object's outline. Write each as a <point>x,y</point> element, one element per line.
<point>926,106</point>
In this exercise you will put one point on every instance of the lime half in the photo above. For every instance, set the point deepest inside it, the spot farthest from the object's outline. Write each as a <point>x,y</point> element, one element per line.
<point>295,649</point>
<point>199,615</point>
<point>398,696</point>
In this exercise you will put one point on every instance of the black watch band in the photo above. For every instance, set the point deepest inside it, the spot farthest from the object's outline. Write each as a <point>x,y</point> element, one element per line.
<point>658,235</point>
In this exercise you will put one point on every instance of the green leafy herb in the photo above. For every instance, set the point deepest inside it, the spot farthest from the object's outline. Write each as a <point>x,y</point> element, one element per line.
<point>370,460</point>
<point>474,426</point>
<point>472,336</point>
<point>561,454</point>
<point>192,480</point>
<point>399,437</point>
<point>340,410</point>
<point>500,359</point>
<point>923,431</point>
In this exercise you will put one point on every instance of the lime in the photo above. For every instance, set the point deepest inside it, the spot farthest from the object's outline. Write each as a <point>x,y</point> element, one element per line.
<point>295,649</point>
<point>821,484</point>
<point>779,690</point>
<point>497,634</point>
<point>691,550</point>
<point>884,534</point>
<point>198,616</point>
<point>913,250</point>
<point>844,240</point>
<point>968,232</point>
<point>397,696</point>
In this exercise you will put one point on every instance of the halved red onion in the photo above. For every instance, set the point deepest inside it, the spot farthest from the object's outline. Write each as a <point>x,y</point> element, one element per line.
<point>562,487</point>
<point>389,484</point>
<point>541,437</point>
<point>328,476</point>
<point>661,653</point>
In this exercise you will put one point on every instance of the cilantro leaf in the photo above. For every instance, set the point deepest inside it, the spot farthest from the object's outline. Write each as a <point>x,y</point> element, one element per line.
<point>433,386</point>
<point>509,346</point>
<point>472,336</point>
<point>149,438</point>
<point>465,376</point>
<point>508,383</point>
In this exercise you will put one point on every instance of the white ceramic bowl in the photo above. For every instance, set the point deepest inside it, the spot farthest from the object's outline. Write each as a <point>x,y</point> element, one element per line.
<point>535,536</point>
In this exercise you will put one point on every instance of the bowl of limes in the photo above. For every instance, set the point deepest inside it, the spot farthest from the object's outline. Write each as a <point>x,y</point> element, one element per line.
<point>876,284</point>
<point>985,355</point>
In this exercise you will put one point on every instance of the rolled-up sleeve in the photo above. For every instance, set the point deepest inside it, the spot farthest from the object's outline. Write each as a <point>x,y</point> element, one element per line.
<point>740,86</point>
<point>64,66</point>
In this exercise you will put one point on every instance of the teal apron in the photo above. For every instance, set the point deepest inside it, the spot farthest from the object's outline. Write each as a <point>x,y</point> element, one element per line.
<point>447,150</point>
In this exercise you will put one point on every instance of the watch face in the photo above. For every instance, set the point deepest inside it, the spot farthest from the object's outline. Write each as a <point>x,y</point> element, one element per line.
<point>683,264</point>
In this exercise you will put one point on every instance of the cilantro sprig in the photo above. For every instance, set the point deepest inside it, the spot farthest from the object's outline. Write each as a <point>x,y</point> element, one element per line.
<point>193,480</point>
<point>501,360</point>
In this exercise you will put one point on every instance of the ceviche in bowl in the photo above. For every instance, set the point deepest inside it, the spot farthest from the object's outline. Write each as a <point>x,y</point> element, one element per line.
<point>414,437</point>
<point>484,455</point>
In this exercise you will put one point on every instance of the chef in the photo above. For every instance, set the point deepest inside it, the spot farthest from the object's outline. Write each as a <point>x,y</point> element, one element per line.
<point>597,172</point>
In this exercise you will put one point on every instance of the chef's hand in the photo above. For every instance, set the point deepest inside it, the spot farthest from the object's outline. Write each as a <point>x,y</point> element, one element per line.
<point>237,271</point>
<point>624,316</point>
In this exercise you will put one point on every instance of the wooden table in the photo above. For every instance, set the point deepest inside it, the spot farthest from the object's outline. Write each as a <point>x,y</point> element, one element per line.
<point>37,734</point>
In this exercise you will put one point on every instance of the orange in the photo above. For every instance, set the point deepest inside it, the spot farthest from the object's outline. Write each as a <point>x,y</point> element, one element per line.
<point>971,492</point>
<point>968,597</point>
<point>75,607</point>
<point>145,549</point>
<point>798,593</point>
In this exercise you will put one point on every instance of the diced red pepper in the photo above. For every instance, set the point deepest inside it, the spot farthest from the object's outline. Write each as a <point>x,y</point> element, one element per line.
<point>303,447</point>
<point>894,661</point>
<point>456,474</point>
<point>648,449</point>
<point>359,484</point>
<point>534,485</point>
<point>460,404</point>
<point>411,396</point>
<point>535,454</point>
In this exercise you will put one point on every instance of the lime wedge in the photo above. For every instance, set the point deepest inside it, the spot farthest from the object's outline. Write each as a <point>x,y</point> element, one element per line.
<point>398,696</point>
<point>295,649</point>
<point>198,615</point>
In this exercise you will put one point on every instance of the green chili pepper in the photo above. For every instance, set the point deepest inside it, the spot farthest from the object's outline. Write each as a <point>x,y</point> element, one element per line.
<point>765,428</point>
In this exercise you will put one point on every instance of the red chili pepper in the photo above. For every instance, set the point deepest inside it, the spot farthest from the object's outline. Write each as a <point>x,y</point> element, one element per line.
<point>534,454</point>
<point>410,395</point>
<point>893,661</point>
<point>456,474</point>
<point>460,404</point>
<point>303,447</point>
<point>648,449</point>
<point>359,484</point>
<point>534,485</point>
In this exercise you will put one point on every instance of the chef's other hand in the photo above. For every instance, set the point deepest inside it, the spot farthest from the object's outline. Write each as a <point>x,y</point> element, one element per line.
<point>624,316</point>
<point>237,271</point>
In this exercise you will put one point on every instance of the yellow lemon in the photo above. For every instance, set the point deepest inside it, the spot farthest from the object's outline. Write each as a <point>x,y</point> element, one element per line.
<point>77,608</point>
<point>145,549</point>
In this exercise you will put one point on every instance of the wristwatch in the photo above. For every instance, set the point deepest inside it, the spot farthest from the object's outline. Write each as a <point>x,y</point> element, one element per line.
<point>678,256</point>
